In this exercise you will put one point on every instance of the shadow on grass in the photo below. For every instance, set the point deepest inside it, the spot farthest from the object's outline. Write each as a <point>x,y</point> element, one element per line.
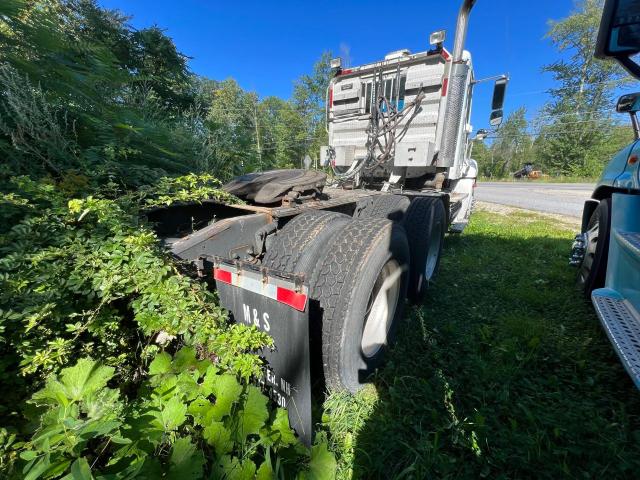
<point>504,372</point>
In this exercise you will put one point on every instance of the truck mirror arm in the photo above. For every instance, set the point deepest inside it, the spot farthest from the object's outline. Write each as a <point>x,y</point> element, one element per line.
<point>636,125</point>
<point>629,65</point>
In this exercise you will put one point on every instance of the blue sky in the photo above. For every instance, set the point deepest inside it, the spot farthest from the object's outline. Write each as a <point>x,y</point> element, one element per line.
<point>266,45</point>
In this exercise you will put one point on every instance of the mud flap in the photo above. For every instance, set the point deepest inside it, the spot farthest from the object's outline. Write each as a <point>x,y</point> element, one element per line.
<point>277,304</point>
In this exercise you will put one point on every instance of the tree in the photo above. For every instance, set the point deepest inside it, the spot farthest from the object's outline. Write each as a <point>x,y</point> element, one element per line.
<point>231,124</point>
<point>284,133</point>
<point>510,150</point>
<point>576,124</point>
<point>309,96</point>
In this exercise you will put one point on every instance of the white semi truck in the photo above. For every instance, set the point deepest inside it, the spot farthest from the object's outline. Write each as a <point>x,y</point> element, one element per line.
<point>404,122</point>
<point>324,264</point>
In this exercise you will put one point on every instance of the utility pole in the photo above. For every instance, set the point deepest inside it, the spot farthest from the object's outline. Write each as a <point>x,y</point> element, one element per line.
<point>255,122</point>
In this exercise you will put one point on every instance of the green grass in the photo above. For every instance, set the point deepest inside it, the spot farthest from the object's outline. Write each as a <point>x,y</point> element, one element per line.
<point>504,372</point>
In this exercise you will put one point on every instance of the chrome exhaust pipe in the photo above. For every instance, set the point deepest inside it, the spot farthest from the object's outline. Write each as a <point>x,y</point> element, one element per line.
<point>457,91</point>
<point>461,29</point>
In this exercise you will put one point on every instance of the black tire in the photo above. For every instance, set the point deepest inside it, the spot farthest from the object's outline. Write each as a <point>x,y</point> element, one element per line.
<point>593,269</point>
<point>357,261</point>
<point>298,248</point>
<point>425,223</point>
<point>391,207</point>
<point>300,243</point>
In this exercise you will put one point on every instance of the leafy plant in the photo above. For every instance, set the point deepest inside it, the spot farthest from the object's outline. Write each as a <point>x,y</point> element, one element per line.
<point>187,420</point>
<point>86,279</point>
<point>98,121</point>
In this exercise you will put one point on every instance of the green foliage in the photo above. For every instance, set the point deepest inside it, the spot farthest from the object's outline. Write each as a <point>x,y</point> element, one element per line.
<point>309,99</point>
<point>578,126</point>
<point>132,368</point>
<point>85,279</point>
<point>126,88</point>
<point>173,425</point>
<point>187,188</point>
<point>85,92</point>
<point>575,133</point>
<point>510,150</point>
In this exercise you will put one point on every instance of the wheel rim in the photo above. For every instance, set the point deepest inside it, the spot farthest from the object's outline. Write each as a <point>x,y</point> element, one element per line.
<point>591,244</point>
<point>381,308</point>
<point>434,251</point>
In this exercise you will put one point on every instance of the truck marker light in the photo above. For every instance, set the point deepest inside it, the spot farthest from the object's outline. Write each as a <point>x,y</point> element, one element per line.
<point>291,298</point>
<point>222,275</point>
<point>330,97</point>
<point>445,84</point>
<point>633,159</point>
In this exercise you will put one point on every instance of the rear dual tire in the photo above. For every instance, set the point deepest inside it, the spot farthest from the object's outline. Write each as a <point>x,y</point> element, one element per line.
<point>425,221</point>
<point>358,276</point>
<point>360,283</point>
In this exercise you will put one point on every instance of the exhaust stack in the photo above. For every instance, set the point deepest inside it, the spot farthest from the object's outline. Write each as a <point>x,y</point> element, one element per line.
<point>452,137</point>
<point>461,29</point>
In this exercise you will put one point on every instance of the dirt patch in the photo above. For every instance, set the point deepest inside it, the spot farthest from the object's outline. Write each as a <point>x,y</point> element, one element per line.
<point>563,221</point>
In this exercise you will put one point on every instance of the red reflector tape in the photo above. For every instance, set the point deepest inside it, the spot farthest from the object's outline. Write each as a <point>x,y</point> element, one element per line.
<point>445,84</point>
<point>291,298</point>
<point>222,275</point>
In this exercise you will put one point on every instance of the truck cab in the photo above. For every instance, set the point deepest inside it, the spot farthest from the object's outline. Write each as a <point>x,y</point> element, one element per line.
<point>413,84</point>
<point>404,122</point>
<point>607,251</point>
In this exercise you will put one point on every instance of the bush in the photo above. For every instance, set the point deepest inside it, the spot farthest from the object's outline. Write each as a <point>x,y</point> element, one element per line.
<point>84,282</point>
<point>131,367</point>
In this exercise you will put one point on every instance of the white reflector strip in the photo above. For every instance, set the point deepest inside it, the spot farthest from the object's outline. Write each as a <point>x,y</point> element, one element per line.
<point>253,282</point>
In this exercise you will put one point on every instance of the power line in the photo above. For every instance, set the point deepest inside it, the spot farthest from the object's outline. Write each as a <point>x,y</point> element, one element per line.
<point>577,122</point>
<point>534,92</point>
<point>561,115</point>
<point>536,134</point>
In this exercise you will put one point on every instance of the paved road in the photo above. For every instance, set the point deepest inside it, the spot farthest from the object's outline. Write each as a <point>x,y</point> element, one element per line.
<point>562,198</point>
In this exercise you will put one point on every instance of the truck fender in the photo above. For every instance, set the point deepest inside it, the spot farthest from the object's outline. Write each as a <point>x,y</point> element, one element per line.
<point>589,207</point>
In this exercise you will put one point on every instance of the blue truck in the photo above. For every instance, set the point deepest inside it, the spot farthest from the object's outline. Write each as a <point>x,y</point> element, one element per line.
<point>607,251</point>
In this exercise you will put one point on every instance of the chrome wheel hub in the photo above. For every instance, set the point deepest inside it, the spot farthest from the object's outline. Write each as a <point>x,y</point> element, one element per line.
<point>381,309</point>
<point>433,252</point>
<point>577,250</point>
<point>583,252</point>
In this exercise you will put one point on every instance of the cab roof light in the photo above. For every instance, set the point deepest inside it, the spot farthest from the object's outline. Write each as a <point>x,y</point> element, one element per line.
<point>437,38</point>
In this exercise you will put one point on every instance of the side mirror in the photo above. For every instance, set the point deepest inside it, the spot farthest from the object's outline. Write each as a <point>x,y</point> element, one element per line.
<point>499,92</point>
<point>496,118</point>
<point>619,34</point>
<point>629,103</point>
<point>481,135</point>
<point>497,102</point>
